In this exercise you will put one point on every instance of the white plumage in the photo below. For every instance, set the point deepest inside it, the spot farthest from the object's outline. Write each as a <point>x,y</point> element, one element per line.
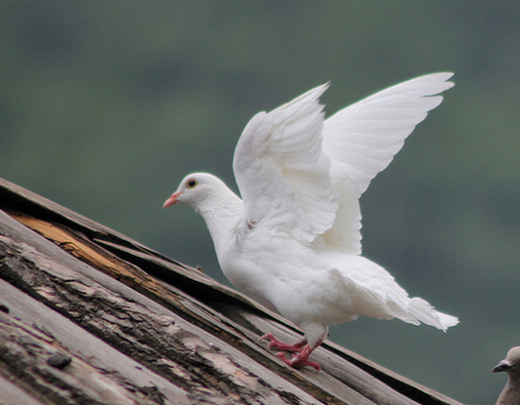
<point>293,241</point>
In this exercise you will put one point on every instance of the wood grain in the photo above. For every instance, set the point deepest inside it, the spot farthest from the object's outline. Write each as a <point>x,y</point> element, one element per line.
<point>141,328</point>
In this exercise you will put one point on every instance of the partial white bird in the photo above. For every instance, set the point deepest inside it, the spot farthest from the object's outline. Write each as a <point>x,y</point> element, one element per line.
<point>293,241</point>
<point>511,365</point>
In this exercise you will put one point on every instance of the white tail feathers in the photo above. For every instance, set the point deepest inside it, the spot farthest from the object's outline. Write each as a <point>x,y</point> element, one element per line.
<point>425,313</point>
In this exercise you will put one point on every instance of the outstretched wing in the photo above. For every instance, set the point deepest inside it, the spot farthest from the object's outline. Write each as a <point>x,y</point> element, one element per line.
<point>362,139</point>
<point>281,171</point>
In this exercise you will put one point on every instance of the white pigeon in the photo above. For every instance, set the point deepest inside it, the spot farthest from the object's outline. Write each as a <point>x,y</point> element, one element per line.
<point>293,241</point>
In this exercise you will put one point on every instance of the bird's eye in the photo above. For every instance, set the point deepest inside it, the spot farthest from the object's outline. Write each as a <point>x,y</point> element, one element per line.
<point>191,183</point>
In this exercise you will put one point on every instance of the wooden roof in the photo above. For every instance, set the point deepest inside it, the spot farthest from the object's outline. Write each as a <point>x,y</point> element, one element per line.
<point>87,315</point>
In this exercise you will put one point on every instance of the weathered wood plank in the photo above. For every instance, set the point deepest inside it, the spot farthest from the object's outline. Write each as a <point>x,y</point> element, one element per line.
<point>380,385</point>
<point>79,344</point>
<point>233,332</point>
<point>358,391</point>
<point>152,335</point>
<point>11,394</point>
<point>173,321</point>
<point>29,354</point>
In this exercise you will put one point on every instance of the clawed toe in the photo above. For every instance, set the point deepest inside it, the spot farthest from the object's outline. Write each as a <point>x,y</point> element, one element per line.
<point>300,350</point>
<point>276,344</point>
<point>281,355</point>
<point>269,337</point>
<point>273,342</point>
<point>297,362</point>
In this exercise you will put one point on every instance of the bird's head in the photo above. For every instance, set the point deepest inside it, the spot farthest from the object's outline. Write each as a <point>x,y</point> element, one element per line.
<point>511,364</point>
<point>195,190</point>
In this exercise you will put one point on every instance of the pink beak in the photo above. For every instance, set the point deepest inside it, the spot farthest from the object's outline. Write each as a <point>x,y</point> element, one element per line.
<point>172,200</point>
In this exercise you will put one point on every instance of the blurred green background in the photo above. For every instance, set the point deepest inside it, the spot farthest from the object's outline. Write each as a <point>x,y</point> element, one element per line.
<point>105,106</point>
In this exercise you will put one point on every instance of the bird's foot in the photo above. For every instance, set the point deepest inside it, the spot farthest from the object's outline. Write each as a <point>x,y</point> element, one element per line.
<point>276,344</point>
<point>299,361</point>
<point>301,351</point>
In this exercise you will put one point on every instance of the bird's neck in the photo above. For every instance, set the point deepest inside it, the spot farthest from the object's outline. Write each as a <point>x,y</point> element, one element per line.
<point>510,394</point>
<point>222,215</point>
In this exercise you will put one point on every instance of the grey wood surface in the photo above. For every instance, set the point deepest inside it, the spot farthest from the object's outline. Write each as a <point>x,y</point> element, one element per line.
<point>88,315</point>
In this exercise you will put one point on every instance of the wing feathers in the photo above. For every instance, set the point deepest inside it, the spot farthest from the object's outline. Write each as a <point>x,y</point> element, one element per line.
<point>281,171</point>
<point>381,122</point>
<point>362,139</point>
<point>303,175</point>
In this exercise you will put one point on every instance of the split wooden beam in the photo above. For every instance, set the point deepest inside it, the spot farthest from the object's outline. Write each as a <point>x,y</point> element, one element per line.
<point>88,315</point>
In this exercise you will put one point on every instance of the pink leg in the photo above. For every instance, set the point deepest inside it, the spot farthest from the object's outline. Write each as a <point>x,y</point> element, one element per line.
<point>276,344</point>
<point>301,352</point>
<point>300,359</point>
